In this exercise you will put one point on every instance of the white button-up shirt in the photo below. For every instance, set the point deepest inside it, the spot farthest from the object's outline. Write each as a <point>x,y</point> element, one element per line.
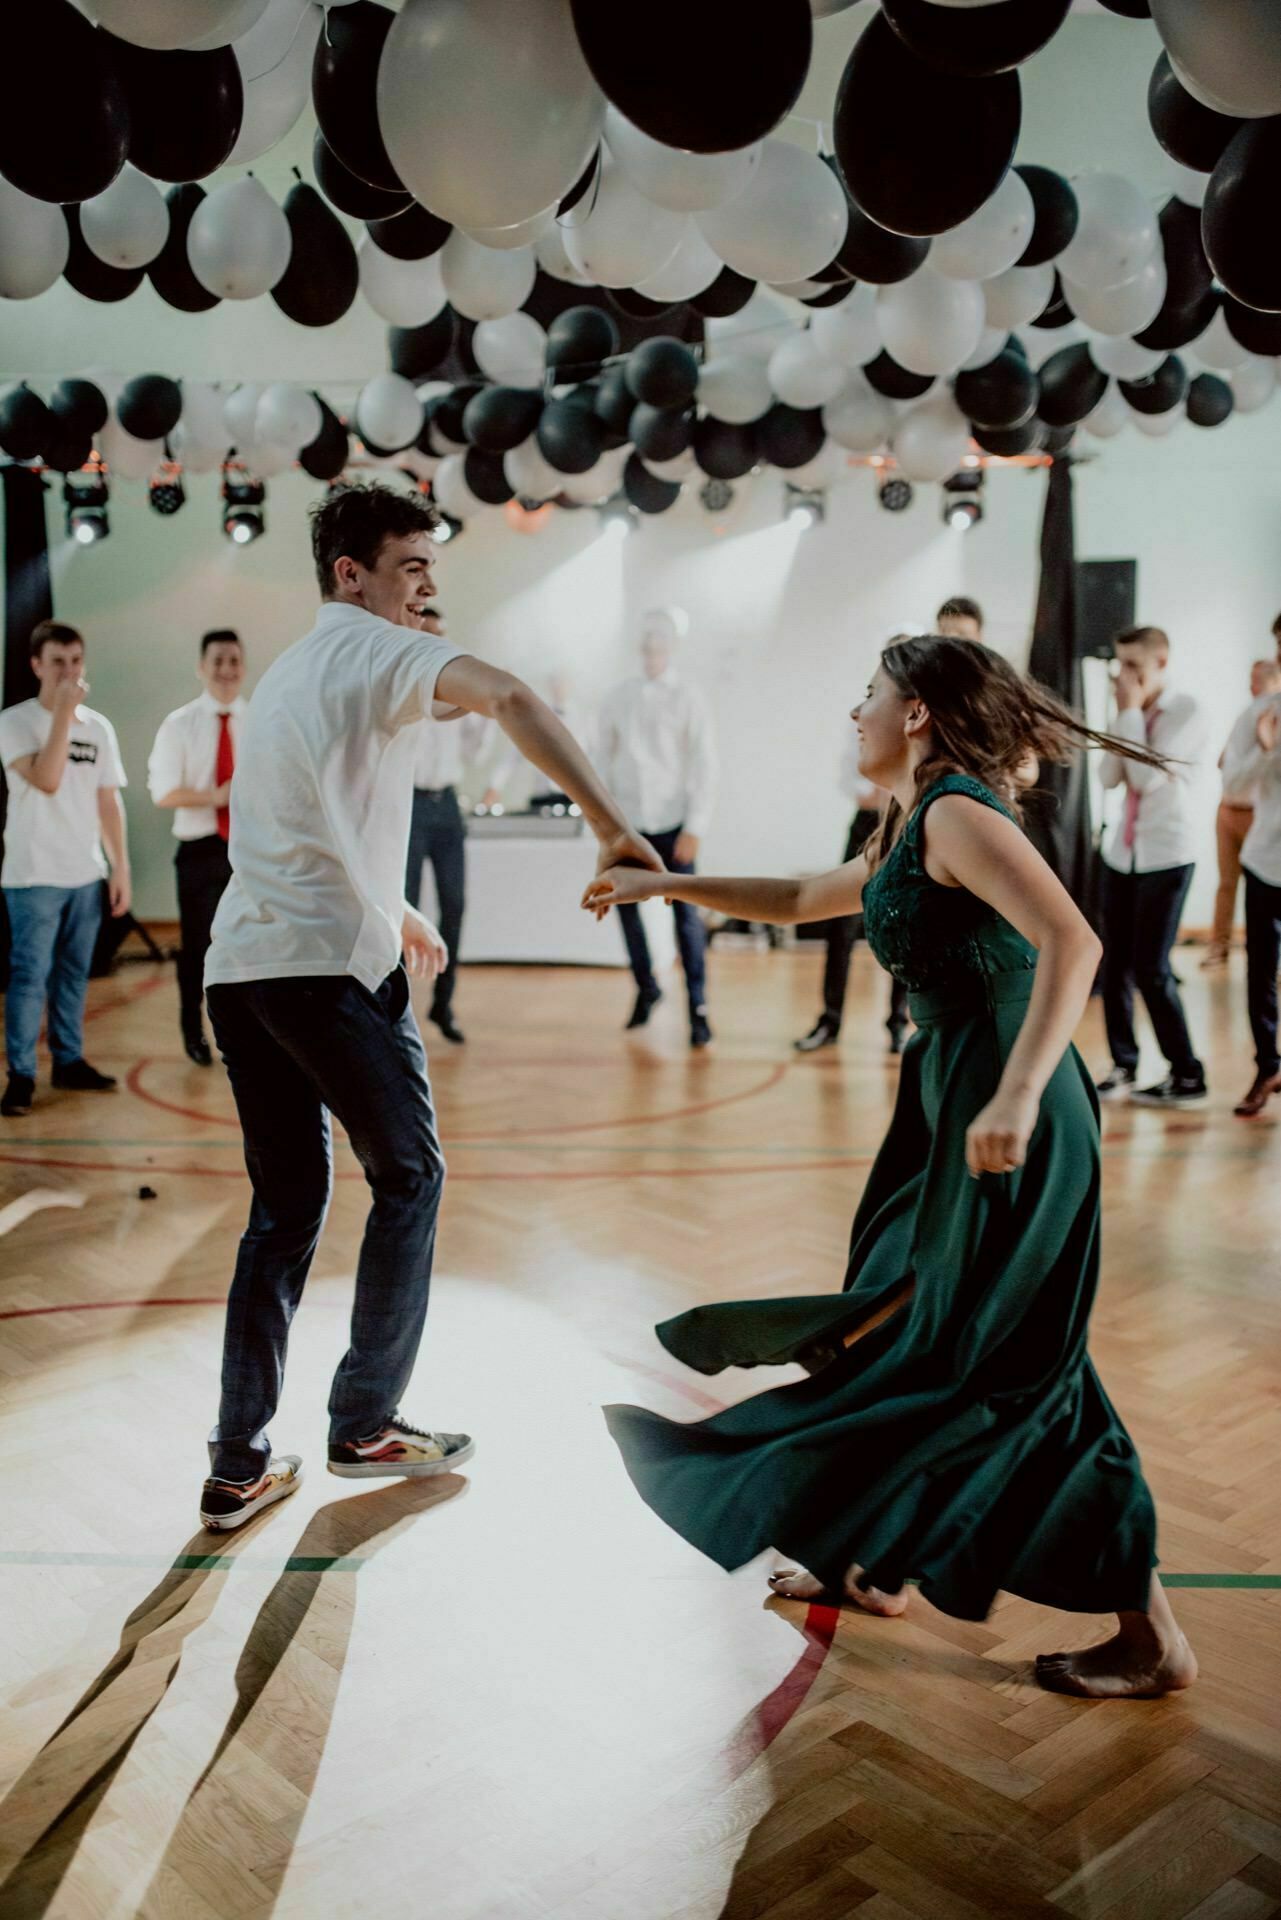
<point>658,754</point>
<point>1163,829</point>
<point>185,754</point>
<point>440,752</point>
<point>866,797</point>
<point>1250,770</point>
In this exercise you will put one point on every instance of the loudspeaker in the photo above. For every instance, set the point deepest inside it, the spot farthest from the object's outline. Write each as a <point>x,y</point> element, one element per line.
<point>1105,591</point>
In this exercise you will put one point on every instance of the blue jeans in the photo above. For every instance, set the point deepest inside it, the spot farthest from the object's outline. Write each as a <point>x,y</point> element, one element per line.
<point>297,1051</point>
<point>691,939</point>
<point>52,932</point>
<point>437,833</point>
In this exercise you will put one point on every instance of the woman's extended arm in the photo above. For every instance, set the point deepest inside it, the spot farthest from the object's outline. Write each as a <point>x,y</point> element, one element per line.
<point>780,903</point>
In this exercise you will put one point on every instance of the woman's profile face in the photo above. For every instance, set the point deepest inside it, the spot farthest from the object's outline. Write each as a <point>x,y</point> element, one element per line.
<point>882,743</point>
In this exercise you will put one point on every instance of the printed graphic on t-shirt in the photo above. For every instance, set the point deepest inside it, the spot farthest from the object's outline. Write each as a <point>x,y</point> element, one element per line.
<point>83,752</point>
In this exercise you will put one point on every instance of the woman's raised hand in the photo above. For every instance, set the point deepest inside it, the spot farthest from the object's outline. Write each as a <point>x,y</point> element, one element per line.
<point>617,887</point>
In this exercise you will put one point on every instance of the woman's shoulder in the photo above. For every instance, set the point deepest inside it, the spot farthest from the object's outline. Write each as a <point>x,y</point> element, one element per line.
<point>963,786</point>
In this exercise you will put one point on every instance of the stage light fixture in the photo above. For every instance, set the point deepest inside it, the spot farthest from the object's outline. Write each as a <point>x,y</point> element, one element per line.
<point>447,527</point>
<point>962,505</point>
<point>243,501</point>
<point>86,504</point>
<point>617,516</point>
<point>165,489</point>
<point>804,506</point>
<point>716,495</point>
<point>895,494</point>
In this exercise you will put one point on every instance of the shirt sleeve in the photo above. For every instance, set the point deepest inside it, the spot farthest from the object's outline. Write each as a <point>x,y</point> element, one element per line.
<point>166,765</point>
<point>404,668</point>
<point>111,768</point>
<point>1240,763</point>
<point>16,739</point>
<point>700,742</point>
<point>1179,734</point>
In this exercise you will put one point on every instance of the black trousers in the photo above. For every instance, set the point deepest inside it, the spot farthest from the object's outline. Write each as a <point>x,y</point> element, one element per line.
<point>203,871</point>
<point>1140,915</point>
<point>1262,957</point>
<point>843,935</point>
<point>691,937</point>
<point>437,833</point>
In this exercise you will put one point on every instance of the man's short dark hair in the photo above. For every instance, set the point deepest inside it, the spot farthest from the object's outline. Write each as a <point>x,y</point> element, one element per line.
<point>220,637</point>
<point>54,633</point>
<point>356,520</point>
<point>960,607</point>
<point>1151,639</point>
<point>1276,626</point>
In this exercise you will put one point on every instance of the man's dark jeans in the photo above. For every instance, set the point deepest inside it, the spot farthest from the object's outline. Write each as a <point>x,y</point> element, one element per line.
<point>1140,913</point>
<point>1262,956</point>
<point>296,1051</point>
<point>437,833</point>
<point>691,938</point>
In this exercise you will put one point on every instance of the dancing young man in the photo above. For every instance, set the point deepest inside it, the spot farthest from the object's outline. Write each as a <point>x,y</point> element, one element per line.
<point>310,1002</point>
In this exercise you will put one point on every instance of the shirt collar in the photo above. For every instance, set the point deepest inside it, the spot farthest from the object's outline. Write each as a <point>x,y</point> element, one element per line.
<point>206,700</point>
<point>667,678</point>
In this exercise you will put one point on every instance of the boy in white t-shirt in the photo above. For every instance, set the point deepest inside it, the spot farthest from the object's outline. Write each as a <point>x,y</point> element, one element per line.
<point>307,993</point>
<point>63,765</point>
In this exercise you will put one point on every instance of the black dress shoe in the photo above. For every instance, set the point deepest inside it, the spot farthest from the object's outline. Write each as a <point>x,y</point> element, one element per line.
<point>898,1039</point>
<point>444,1019</point>
<point>79,1077</point>
<point>18,1096</point>
<point>646,1000</point>
<point>198,1050</point>
<point>700,1033</point>
<point>824,1033</point>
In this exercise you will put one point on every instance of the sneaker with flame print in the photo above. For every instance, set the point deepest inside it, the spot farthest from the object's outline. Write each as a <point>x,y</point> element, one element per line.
<point>225,1504</point>
<point>398,1450</point>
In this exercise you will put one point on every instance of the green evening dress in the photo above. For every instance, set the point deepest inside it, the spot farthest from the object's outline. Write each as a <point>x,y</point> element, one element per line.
<point>962,1438</point>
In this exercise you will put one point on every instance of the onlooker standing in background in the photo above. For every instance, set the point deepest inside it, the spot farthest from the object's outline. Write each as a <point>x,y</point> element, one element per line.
<point>960,618</point>
<point>1232,824</point>
<point>190,771</point>
<point>65,774</point>
<point>1252,761</point>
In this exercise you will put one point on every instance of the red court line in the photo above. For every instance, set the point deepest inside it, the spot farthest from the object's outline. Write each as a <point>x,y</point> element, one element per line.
<point>591,1173</point>
<point>105,1306</point>
<point>139,992</point>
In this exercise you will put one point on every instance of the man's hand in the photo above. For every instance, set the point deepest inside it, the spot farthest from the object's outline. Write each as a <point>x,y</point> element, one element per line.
<point>627,848</point>
<point>1268,728</point>
<point>1128,688</point>
<point>426,954</point>
<point>617,887</point>
<point>68,694</point>
<point>119,892</point>
<point>221,796</point>
<point>686,848</point>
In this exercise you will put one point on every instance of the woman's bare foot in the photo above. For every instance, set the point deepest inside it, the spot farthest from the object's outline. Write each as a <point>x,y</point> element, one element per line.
<point>1148,1656</point>
<point>793,1583</point>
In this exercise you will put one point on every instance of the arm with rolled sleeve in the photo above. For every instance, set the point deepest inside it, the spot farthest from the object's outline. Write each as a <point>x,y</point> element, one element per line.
<point>1179,734</point>
<point>701,765</point>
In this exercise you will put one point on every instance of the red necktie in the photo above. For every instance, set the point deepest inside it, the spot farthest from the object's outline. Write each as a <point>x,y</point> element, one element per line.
<point>1130,825</point>
<point>224,767</point>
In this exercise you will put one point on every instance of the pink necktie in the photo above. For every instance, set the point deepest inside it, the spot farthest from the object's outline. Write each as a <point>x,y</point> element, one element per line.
<point>1130,826</point>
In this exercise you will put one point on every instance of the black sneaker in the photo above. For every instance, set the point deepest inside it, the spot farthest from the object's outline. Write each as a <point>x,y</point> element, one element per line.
<point>18,1096</point>
<point>824,1033</point>
<point>1172,1092</point>
<point>226,1504</point>
<point>198,1050</point>
<point>79,1077</point>
<point>646,1000</point>
<point>898,1039</point>
<point>700,1032</point>
<point>399,1451</point>
<point>1116,1084</point>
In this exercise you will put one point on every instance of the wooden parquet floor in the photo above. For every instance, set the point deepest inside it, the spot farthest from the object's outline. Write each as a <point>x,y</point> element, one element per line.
<point>513,1694</point>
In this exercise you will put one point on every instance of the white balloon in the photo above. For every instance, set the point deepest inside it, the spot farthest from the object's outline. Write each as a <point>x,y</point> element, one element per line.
<point>824,9</point>
<point>199,440</point>
<point>1228,55</point>
<point>789,220</point>
<point>451,491</point>
<point>625,238</point>
<point>523,234</point>
<point>511,351</point>
<point>1109,417</point>
<point>533,477</point>
<point>735,387</point>
<point>991,340</point>
<point>691,269</point>
<point>1188,184</point>
<point>801,376</point>
<point>1253,383</point>
<point>1040,342</point>
<point>670,177</point>
<point>484,283</point>
<point>1018,295</point>
<point>287,415</point>
<point>679,467</point>
<point>133,459</point>
<point>170,24</point>
<point>931,438</point>
<point>827,466</point>
<point>404,293</point>
<point>549,251</point>
<point>1218,347</point>
<point>1128,308</point>
<point>849,333</point>
<point>1156,425</point>
<point>239,241</point>
<point>930,324</point>
<point>755,329</point>
<point>489,112</point>
<point>275,60</point>
<point>1124,359</point>
<point>992,239</point>
<point>389,412</point>
<point>600,482</point>
<point>270,458</point>
<point>1116,233</point>
<point>240,415</point>
<point>860,419</point>
<point>34,244</point>
<point>128,223</point>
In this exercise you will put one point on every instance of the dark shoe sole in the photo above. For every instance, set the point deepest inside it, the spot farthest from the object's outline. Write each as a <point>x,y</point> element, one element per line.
<point>392,1470</point>
<point>228,1522</point>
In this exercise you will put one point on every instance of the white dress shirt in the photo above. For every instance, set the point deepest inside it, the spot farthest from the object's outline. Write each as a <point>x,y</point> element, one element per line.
<point>440,752</point>
<point>1238,791</point>
<point>185,754</point>
<point>658,754</point>
<point>866,797</point>
<point>54,839</point>
<point>1248,768</point>
<point>1163,826</point>
<point>321,801</point>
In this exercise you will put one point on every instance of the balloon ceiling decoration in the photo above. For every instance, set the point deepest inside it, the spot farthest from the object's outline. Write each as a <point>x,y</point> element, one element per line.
<point>604,271</point>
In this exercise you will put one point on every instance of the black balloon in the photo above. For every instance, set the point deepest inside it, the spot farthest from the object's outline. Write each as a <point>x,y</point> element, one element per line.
<point>185,109</point>
<point>570,438</point>
<point>920,150</point>
<point>448,410</point>
<point>585,179</point>
<point>1056,439</point>
<point>729,293</point>
<point>344,90</point>
<point>485,476</point>
<point>1057,215</point>
<point>578,340</point>
<point>25,423</point>
<point>79,404</point>
<point>647,493</point>
<point>320,282</point>
<point>1188,273</point>
<point>613,401</point>
<point>659,433</point>
<point>830,296</point>
<point>418,352</point>
<point>1193,135</point>
<point>725,451</point>
<point>1129,9</point>
<point>789,436</point>
<point>1180,326</point>
<point>170,272</point>
<point>1001,395</point>
<point>1239,218</point>
<point>64,131</point>
<point>894,381</point>
<point>1056,312</point>
<point>91,276</point>
<point>1071,387</point>
<point>1011,441</point>
<point>1209,400</point>
<point>1260,332</point>
<point>662,371</point>
<point>412,235</point>
<point>708,77</point>
<point>1161,390</point>
<point>500,418</point>
<point>67,448</point>
<point>149,406</point>
<point>979,40</point>
<point>427,442</point>
<point>325,457</point>
<point>348,192</point>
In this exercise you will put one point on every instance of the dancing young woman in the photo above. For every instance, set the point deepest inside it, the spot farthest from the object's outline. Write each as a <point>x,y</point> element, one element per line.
<point>953,1429</point>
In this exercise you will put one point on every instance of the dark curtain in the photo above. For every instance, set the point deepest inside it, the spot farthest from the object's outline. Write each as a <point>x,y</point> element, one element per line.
<point>1058,812</point>
<point>27,599</point>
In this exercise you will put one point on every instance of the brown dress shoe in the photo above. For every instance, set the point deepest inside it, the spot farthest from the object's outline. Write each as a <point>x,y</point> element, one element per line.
<point>1265,1085</point>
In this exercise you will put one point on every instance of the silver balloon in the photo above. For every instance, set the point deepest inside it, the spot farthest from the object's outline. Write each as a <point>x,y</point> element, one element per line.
<point>388,412</point>
<point>512,350</point>
<point>167,25</point>
<point>860,419</point>
<point>992,239</point>
<point>849,333</point>
<point>34,244</point>
<point>1128,308</point>
<point>275,59</point>
<point>240,415</point>
<point>625,238</point>
<point>1124,359</point>
<point>533,477</point>
<point>735,387</point>
<point>127,224</point>
<point>123,454</point>
<point>991,340</point>
<point>451,491</point>
<point>691,269</point>
<point>801,375</point>
<point>1253,383</point>
<point>1218,347</point>
<point>549,251</point>
<point>670,177</point>
<point>1109,417</point>
<point>287,415</point>
<point>239,241</point>
<point>1116,234</point>
<point>931,324</point>
<point>1156,425</point>
<point>404,293</point>
<point>931,438</point>
<point>523,234</point>
<point>1018,295</point>
<point>789,221</point>
<point>1227,55</point>
<point>485,283</point>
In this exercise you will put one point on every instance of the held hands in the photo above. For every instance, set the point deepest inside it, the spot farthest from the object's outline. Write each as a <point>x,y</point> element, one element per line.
<point>996,1139</point>
<point>426,954</point>
<point>1268,728</point>
<point>618,887</point>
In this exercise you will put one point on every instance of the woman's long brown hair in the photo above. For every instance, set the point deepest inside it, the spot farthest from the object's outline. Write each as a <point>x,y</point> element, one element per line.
<point>986,718</point>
